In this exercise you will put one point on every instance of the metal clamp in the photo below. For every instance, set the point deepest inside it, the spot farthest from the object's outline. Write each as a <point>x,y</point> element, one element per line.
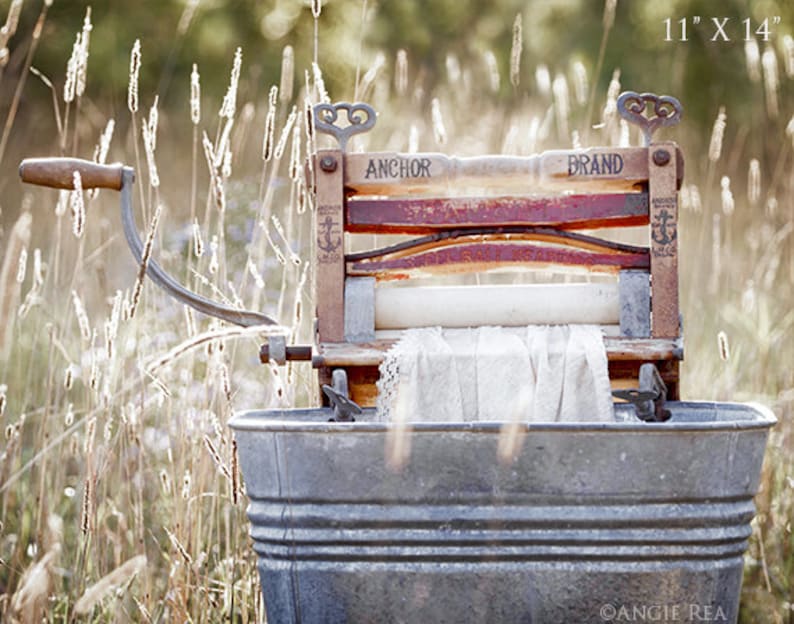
<point>326,116</point>
<point>649,398</point>
<point>278,349</point>
<point>667,111</point>
<point>345,410</point>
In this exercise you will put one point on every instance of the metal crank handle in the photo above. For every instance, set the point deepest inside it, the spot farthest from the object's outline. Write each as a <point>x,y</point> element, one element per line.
<point>59,173</point>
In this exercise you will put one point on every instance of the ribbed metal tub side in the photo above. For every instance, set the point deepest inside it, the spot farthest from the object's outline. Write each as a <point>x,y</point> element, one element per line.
<point>588,518</point>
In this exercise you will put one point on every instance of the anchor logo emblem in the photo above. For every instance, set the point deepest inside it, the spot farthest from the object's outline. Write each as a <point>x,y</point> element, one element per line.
<point>327,243</point>
<point>664,232</point>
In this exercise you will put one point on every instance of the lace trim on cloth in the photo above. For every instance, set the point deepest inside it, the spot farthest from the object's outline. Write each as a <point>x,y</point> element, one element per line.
<point>516,374</point>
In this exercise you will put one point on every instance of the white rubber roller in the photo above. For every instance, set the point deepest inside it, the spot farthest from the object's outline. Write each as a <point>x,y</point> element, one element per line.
<point>508,306</point>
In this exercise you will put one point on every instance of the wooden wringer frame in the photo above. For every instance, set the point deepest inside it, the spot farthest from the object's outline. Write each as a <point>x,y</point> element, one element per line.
<point>544,203</point>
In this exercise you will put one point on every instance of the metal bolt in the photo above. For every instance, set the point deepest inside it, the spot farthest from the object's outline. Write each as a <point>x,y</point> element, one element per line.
<point>328,164</point>
<point>661,157</point>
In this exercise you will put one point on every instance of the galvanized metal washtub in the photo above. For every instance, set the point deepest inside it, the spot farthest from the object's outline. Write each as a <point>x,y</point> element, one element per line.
<point>588,519</point>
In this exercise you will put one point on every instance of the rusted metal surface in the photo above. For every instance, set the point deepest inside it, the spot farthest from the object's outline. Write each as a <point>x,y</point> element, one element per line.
<point>360,118</point>
<point>632,106</point>
<point>293,353</point>
<point>485,256</point>
<point>649,397</point>
<point>418,216</point>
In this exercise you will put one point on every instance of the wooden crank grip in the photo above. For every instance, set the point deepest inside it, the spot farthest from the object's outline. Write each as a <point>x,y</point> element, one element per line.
<point>59,173</point>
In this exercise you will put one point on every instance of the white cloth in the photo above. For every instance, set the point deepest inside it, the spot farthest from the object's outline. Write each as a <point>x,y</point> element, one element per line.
<point>554,373</point>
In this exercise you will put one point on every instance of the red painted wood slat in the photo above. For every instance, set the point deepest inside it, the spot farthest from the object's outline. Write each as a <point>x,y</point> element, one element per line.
<point>483,256</point>
<point>421,215</point>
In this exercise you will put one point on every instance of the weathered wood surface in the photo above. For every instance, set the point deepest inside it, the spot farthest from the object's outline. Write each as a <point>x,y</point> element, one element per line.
<point>329,243</point>
<point>447,238</point>
<point>471,257</point>
<point>59,173</point>
<point>605,168</point>
<point>419,216</point>
<point>664,240</point>
<point>618,349</point>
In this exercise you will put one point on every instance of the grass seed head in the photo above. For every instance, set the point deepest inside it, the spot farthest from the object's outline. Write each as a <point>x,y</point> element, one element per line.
<point>270,124</point>
<point>22,265</point>
<point>77,204</point>
<point>287,73</point>
<point>82,65</point>
<point>135,69</point>
<point>771,81</point>
<point>492,67</point>
<point>229,106</point>
<point>717,135</point>
<point>82,317</point>
<point>319,84</point>
<point>788,55</point>
<point>726,195</point>
<point>754,181</point>
<point>752,57</point>
<point>580,84</point>
<point>104,141</point>
<point>439,131</point>
<point>285,133</point>
<point>515,52</point>
<point>724,347</point>
<point>401,72</point>
<point>198,242</point>
<point>149,144</point>
<point>118,577</point>
<point>609,14</point>
<point>195,96</point>
<point>562,103</point>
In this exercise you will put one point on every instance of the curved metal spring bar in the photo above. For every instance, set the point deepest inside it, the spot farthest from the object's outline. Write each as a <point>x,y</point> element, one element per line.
<point>157,274</point>
<point>544,234</point>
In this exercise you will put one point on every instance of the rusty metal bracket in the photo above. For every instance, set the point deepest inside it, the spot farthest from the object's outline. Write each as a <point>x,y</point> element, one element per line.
<point>649,398</point>
<point>345,410</point>
<point>667,111</point>
<point>326,116</point>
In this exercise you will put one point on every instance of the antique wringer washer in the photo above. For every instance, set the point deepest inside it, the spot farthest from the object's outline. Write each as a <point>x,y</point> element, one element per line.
<point>587,516</point>
<point>389,193</point>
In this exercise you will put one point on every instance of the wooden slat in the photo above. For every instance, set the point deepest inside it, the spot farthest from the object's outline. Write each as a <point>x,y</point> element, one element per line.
<point>391,173</point>
<point>447,238</point>
<point>364,389</point>
<point>468,257</point>
<point>664,240</point>
<point>329,242</point>
<point>419,216</point>
<point>619,349</point>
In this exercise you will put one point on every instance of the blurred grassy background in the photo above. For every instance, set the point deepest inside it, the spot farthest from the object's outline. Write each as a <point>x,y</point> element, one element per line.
<point>152,476</point>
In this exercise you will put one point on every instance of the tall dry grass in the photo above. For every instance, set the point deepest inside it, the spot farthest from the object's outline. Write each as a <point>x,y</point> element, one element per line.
<point>119,493</point>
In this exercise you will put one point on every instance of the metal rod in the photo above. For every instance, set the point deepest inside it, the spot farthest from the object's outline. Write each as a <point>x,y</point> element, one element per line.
<point>156,273</point>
